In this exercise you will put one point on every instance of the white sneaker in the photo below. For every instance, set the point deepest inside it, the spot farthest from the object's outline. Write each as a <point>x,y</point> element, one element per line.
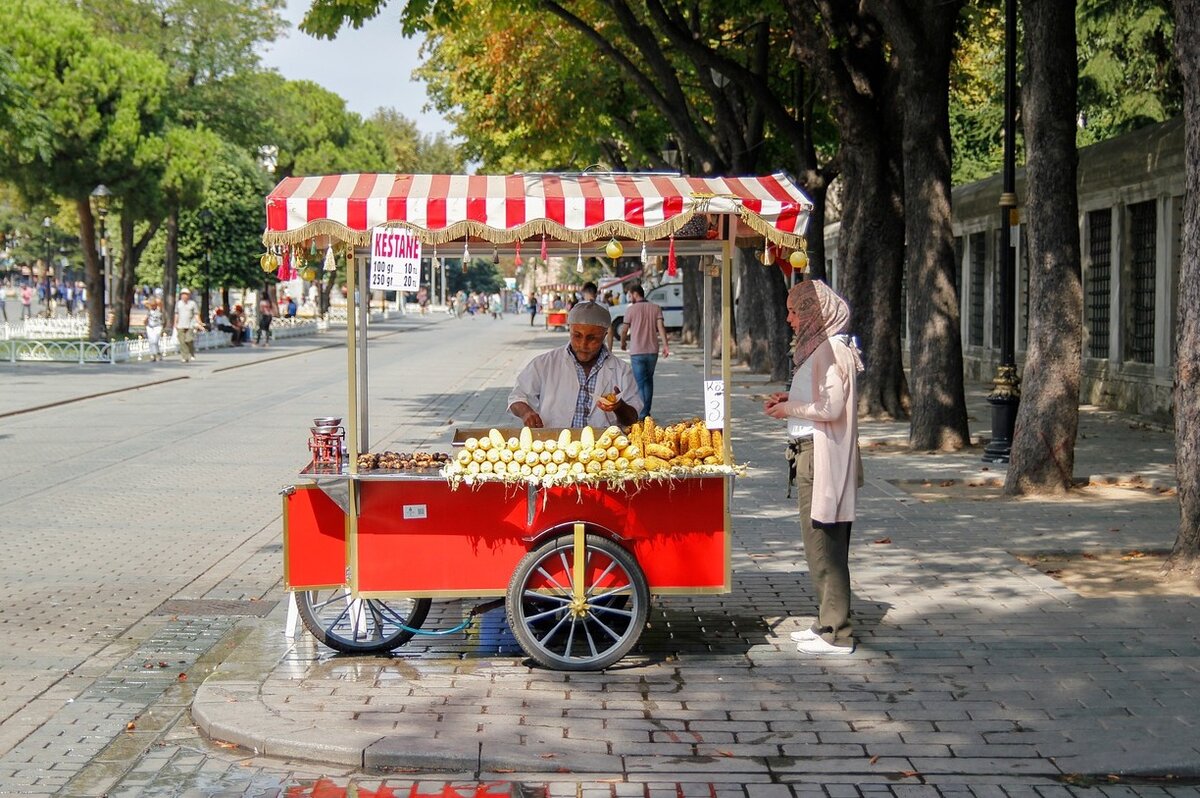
<point>802,635</point>
<point>818,646</point>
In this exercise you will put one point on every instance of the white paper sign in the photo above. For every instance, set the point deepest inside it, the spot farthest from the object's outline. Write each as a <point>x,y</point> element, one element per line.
<point>395,260</point>
<point>714,404</point>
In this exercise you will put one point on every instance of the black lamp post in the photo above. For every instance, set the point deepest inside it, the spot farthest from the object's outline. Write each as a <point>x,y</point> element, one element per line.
<point>1006,392</point>
<point>206,233</point>
<point>101,194</point>
<point>46,264</point>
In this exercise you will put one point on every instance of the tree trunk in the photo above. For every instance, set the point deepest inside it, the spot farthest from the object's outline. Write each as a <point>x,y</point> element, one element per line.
<point>763,334</point>
<point>122,299</point>
<point>1186,554</point>
<point>93,270</point>
<point>171,270</point>
<point>844,46</point>
<point>1042,458</point>
<point>924,41</point>
<point>871,254</point>
<point>692,282</point>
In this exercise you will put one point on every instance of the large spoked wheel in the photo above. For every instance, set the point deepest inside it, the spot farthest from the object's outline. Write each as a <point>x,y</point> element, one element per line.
<point>359,626</point>
<point>578,630</point>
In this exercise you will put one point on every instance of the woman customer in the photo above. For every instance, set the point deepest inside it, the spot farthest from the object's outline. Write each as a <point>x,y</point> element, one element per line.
<point>822,421</point>
<point>154,327</point>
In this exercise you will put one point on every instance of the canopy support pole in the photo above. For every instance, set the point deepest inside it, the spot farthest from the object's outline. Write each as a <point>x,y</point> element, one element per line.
<point>363,315</point>
<point>352,447</point>
<point>706,313</point>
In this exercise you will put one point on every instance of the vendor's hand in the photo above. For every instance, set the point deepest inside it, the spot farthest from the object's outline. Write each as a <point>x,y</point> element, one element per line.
<point>607,404</point>
<point>532,420</point>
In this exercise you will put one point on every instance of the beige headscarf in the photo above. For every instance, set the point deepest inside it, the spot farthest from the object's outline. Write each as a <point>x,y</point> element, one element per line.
<point>823,314</point>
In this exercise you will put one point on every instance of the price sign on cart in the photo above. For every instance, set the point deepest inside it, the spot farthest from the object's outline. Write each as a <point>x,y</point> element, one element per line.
<point>395,260</point>
<point>714,404</point>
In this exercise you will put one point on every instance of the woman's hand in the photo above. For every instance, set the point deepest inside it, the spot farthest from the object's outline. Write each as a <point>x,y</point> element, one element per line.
<point>776,405</point>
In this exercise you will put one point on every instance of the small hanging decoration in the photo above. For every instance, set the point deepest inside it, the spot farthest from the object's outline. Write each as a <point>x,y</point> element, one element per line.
<point>330,260</point>
<point>798,259</point>
<point>435,263</point>
<point>309,274</point>
<point>768,254</point>
<point>543,248</point>
<point>645,255</point>
<point>313,249</point>
<point>466,258</point>
<point>495,256</point>
<point>614,249</point>
<point>517,254</point>
<point>579,261</point>
<point>672,267</point>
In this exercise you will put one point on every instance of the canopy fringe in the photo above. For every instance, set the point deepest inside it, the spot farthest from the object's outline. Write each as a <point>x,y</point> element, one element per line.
<point>336,231</point>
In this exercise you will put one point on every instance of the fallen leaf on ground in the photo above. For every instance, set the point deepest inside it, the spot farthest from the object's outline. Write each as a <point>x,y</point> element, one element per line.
<point>1053,571</point>
<point>1087,556</point>
<point>874,759</point>
<point>130,726</point>
<point>947,483</point>
<point>909,774</point>
<point>182,677</point>
<point>1133,555</point>
<point>883,540</point>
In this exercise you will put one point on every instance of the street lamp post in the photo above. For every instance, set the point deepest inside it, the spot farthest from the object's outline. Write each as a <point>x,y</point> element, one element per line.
<point>1006,392</point>
<point>101,194</point>
<point>46,264</point>
<point>206,233</point>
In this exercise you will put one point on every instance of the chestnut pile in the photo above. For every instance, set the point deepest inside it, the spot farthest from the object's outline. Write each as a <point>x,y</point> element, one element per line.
<point>402,461</point>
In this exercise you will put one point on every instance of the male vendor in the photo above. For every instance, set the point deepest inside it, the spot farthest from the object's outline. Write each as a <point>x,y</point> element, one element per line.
<point>580,384</point>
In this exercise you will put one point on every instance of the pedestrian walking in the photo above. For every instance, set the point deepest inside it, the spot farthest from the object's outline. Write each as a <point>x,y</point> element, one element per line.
<point>26,302</point>
<point>154,327</point>
<point>533,308</point>
<point>822,421</point>
<point>641,334</point>
<point>187,324</point>
<point>266,312</point>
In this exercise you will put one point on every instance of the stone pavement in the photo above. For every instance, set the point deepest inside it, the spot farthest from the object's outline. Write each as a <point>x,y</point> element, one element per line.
<point>974,673</point>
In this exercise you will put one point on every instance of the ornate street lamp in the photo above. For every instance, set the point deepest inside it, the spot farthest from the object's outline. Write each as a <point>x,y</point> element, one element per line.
<point>1006,392</point>
<point>46,265</point>
<point>100,195</point>
<point>206,220</point>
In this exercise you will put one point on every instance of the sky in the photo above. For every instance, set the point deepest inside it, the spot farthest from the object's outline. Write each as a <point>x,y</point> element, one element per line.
<point>370,67</point>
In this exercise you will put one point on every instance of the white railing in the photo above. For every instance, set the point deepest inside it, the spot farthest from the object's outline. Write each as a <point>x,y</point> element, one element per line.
<point>64,340</point>
<point>69,327</point>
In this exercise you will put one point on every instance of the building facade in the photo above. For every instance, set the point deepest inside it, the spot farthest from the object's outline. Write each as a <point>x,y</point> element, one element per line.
<point>1130,224</point>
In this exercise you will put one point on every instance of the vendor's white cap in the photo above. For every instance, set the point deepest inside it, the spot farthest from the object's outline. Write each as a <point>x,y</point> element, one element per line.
<point>589,313</point>
<point>185,291</point>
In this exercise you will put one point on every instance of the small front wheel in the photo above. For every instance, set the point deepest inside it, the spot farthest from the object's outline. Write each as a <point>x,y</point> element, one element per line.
<point>590,628</point>
<point>359,626</point>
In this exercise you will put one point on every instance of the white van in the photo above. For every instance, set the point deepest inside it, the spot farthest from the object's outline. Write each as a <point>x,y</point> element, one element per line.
<point>668,296</point>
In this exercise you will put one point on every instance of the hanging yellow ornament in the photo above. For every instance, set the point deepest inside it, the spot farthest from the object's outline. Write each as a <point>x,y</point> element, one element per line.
<point>614,249</point>
<point>798,259</point>
<point>308,273</point>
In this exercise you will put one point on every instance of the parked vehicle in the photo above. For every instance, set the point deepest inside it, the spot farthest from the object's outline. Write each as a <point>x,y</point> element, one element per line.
<point>668,296</point>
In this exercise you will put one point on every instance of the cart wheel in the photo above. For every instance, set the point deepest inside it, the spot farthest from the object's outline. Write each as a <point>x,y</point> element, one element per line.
<point>593,635</point>
<point>359,626</point>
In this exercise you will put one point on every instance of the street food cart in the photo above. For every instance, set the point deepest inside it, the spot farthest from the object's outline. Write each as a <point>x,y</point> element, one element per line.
<point>575,552</point>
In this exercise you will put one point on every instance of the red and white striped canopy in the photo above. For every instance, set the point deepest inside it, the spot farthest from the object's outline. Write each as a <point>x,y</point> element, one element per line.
<point>507,208</point>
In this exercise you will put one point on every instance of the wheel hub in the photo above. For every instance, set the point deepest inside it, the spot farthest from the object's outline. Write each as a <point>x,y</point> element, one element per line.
<point>578,607</point>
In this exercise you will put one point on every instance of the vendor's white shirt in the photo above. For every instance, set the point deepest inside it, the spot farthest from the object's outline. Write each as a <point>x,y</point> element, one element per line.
<point>550,385</point>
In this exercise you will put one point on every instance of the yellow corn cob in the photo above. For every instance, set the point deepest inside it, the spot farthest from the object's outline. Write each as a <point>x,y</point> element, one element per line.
<point>526,439</point>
